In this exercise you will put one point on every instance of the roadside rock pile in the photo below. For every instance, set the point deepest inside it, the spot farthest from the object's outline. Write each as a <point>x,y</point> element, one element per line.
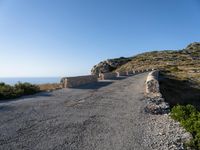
<point>154,100</point>
<point>156,105</point>
<point>166,134</point>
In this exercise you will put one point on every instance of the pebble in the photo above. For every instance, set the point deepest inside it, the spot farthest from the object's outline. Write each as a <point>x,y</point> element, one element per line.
<point>166,134</point>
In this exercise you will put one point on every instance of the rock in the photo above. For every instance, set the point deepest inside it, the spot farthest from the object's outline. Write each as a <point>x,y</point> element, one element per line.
<point>156,105</point>
<point>153,108</point>
<point>109,65</point>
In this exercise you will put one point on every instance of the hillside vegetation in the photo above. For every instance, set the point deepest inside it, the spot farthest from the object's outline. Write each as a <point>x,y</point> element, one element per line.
<point>180,72</point>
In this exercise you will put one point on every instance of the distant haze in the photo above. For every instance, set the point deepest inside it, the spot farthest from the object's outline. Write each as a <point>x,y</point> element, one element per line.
<point>48,38</point>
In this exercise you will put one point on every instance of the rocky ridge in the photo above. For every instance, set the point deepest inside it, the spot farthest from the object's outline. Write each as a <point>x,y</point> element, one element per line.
<point>194,46</point>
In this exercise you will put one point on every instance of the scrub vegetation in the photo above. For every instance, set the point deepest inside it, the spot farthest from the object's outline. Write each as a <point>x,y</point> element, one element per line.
<point>18,90</point>
<point>189,117</point>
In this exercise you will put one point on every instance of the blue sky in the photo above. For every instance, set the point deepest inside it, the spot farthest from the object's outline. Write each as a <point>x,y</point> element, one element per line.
<point>67,37</point>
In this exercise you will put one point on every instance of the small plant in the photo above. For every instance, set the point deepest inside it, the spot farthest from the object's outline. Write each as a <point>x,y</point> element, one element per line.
<point>189,117</point>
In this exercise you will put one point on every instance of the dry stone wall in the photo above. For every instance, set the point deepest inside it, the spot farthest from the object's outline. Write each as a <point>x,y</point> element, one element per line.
<point>155,102</point>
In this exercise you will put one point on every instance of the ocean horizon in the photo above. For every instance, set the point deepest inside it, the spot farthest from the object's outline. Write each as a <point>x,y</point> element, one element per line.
<point>32,80</point>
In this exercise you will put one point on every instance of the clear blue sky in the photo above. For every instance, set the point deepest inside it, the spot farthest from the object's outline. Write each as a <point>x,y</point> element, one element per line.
<point>68,37</point>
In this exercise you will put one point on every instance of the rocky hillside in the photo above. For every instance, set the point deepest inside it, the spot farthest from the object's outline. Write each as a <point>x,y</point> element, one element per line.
<point>183,64</point>
<point>180,70</point>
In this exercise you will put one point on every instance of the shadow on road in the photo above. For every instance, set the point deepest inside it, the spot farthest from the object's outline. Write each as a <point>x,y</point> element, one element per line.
<point>120,78</point>
<point>96,85</point>
<point>41,94</point>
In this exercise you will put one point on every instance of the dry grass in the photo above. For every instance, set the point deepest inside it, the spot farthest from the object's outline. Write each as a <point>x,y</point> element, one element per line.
<point>179,64</point>
<point>50,87</point>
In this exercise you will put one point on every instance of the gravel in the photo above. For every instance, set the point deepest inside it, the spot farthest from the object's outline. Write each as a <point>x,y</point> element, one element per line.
<point>166,134</point>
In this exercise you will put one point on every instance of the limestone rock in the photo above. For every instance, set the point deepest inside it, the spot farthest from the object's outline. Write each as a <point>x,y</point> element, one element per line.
<point>109,65</point>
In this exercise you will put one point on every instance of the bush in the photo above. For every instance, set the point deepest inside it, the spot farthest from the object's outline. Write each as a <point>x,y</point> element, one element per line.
<point>19,89</point>
<point>27,88</point>
<point>189,117</point>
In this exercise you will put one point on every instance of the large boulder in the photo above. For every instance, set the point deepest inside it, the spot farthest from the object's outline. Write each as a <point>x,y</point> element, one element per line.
<point>109,65</point>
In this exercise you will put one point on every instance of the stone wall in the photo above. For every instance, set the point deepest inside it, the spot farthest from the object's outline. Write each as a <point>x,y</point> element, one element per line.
<point>152,84</point>
<point>122,73</point>
<point>155,102</point>
<point>130,72</point>
<point>70,82</point>
<point>105,76</point>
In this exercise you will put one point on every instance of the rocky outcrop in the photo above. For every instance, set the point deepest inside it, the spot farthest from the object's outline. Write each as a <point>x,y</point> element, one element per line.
<point>193,46</point>
<point>109,65</point>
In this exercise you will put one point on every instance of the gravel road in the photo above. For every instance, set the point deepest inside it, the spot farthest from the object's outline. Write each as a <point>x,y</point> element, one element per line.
<point>107,115</point>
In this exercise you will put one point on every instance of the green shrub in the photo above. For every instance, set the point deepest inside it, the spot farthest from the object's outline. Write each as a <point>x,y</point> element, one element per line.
<point>189,117</point>
<point>27,88</point>
<point>19,89</point>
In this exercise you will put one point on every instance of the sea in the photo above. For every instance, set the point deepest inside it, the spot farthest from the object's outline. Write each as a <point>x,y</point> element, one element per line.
<point>32,80</point>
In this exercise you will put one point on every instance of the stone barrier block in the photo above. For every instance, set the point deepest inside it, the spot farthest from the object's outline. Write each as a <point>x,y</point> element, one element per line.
<point>122,73</point>
<point>70,82</point>
<point>155,102</point>
<point>105,76</point>
<point>152,84</point>
<point>130,72</point>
